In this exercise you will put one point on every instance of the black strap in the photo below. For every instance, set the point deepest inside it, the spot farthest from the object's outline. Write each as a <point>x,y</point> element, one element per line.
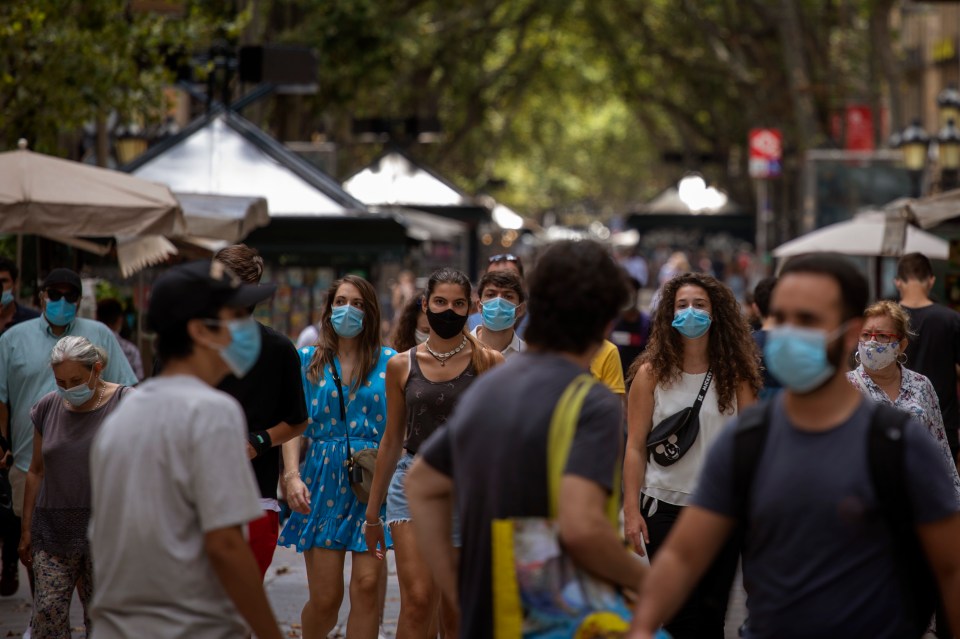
<point>695,409</point>
<point>343,409</point>
<point>886,456</point>
<point>749,441</point>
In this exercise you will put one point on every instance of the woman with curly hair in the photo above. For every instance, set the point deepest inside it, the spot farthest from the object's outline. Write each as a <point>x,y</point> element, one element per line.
<point>412,327</point>
<point>698,331</point>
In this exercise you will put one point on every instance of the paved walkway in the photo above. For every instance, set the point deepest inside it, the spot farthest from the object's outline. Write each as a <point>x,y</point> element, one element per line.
<point>286,585</point>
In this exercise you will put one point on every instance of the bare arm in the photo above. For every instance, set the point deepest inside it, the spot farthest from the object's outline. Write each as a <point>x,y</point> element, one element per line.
<point>939,540</point>
<point>391,446</point>
<point>31,489</point>
<point>297,494</point>
<point>745,397</point>
<point>639,423</point>
<point>237,571</point>
<point>430,493</point>
<point>590,539</point>
<point>282,432</point>
<point>685,555</point>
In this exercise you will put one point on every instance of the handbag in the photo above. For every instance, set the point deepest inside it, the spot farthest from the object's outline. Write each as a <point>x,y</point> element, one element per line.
<point>538,592</point>
<point>360,465</point>
<point>672,438</point>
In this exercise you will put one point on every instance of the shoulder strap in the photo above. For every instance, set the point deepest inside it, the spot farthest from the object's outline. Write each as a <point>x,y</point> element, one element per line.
<point>748,444</point>
<point>343,409</point>
<point>886,458</point>
<point>695,409</point>
<point>563,427</point>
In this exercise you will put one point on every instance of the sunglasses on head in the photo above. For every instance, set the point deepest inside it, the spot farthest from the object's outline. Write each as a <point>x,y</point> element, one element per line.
<point>505,257</point>
<point>54,295</point>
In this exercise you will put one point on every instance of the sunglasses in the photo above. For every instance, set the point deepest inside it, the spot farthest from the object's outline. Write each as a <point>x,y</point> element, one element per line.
<point>880,338</point>
<point>505,257</point>
<point>54,295</point>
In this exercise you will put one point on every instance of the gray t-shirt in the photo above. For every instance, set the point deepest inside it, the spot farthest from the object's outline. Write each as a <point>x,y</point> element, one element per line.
<point>818,559</point>
<point>495,447</point>
<point>168,465</point>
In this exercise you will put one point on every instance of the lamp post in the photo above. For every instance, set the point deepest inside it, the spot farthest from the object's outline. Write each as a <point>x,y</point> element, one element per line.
<point>914,142</point>
<point>948,142</point>
<point>948,101</point>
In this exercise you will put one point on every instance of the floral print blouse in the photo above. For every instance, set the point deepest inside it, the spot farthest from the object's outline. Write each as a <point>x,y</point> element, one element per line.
<point>917,398</point>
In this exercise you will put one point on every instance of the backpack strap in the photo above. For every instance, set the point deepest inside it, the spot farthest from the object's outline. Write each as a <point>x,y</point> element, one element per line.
<point>748,444</point>
<point>886,458</point>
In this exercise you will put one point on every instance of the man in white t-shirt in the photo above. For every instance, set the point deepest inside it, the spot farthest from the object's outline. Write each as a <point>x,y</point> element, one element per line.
<point>500,303</point>
<point>171,484</point>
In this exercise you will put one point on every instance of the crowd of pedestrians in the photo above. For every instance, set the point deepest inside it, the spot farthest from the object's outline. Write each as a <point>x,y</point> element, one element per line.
<point>544,457</point>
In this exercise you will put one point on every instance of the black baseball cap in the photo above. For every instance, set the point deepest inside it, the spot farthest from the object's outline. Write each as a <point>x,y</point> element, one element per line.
<point>63,276</point>
<point>199,289</point>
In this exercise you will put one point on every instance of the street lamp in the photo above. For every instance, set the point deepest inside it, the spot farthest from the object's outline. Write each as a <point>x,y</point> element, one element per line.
<point>948,141</point>
<point>914,142</point>
<point>948,101</point>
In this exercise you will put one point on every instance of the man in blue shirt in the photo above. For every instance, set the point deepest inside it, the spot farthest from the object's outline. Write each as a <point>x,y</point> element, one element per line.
<point>25,373</point>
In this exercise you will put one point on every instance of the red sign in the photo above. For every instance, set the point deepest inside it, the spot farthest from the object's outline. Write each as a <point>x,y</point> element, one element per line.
<point>859,128</point>
<point>766,151</point>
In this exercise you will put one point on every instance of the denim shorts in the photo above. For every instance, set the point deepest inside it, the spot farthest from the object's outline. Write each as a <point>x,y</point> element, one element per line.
<point>398,509</point>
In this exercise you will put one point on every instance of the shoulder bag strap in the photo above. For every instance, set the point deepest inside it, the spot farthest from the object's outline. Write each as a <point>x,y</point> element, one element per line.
<point>563,427</point>
<point>343,410</point>
<point>703,392</point>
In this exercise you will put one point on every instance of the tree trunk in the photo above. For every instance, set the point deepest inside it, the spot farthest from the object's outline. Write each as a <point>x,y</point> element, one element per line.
<point>881,44</point>
<point>791,41</point>
<point>102,140</point>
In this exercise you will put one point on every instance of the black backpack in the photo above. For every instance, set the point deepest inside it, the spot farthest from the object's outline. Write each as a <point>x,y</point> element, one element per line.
<point>885,459</point>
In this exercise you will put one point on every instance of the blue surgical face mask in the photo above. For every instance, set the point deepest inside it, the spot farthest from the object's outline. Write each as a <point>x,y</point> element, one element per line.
<point>78,395</point>
<point>7,298</point>
<point>244,348</point>
<point>797,357</point>
<point>61,312</point>
<point>498,314</point>
<point>692,322</point>
<point>347,320</point>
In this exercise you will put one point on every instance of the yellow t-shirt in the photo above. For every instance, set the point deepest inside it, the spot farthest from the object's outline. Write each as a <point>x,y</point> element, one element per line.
<point>607,368</point>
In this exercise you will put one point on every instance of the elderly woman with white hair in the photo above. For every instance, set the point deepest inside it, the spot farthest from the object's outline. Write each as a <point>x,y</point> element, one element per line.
<point>56,508</point>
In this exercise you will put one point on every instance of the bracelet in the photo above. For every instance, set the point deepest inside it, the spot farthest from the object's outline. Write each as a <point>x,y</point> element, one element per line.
<point>292,473</point>
<point>376,524</point>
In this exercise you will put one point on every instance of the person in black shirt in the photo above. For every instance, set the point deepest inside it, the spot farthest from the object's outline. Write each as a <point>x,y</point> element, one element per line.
<point>11,314</point>
<point>632,329</point>
<point>761,299</point>
<point>273,402</point>
<point>934,348</point>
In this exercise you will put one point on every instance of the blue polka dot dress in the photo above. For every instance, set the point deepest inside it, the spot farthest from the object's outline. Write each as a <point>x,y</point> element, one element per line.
<point>336,515</point>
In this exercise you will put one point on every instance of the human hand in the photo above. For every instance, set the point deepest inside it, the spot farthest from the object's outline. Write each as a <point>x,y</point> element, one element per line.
<point>375,537</point>
<point>635,530</point>
<point>297,495</point>
<point>6,460</point>
<point>25,550</point>
<point>251,451</point>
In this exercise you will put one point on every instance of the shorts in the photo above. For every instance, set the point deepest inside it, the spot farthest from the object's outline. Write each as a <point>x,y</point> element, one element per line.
<point>398,509</point>
<point>18,484</point>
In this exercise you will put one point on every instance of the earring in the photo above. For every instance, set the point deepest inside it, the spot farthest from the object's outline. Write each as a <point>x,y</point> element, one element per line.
<point>856,356</point>
<point>902,358</point>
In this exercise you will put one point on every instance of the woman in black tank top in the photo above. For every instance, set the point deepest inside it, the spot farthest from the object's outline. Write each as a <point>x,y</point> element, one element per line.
<point>423,385</point>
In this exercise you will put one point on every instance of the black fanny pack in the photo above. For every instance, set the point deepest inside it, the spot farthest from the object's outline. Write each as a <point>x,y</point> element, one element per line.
<point>670,440</point>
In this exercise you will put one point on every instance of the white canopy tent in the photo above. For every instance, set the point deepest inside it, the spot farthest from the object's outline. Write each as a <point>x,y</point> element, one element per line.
<point>869,234</point>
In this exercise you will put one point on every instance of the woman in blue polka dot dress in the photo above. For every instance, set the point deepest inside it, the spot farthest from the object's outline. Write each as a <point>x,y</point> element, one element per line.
<point>327,517</point>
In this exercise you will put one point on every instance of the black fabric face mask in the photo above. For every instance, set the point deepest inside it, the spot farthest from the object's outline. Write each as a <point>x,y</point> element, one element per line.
<point>446,324</point>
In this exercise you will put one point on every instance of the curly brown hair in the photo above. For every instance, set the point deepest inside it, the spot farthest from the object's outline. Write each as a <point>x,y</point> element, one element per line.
<point>733,353</point>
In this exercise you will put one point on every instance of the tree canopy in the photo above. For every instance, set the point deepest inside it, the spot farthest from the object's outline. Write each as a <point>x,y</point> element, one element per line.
<point>563,105</point>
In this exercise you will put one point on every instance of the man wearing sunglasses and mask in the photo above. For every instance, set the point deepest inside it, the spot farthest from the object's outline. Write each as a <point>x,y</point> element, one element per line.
<point>25,374</point>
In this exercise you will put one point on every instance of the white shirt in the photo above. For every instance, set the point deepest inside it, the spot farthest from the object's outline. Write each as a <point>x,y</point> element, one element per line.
<point>517,345</point>
<point>167,466</point>
<point>675,483</point>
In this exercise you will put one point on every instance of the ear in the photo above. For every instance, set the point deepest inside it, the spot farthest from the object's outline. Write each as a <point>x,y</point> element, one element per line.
<point>200,334</point>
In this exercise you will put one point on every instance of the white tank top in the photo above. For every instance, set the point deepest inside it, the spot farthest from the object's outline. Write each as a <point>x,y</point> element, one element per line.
<point>674,484</point>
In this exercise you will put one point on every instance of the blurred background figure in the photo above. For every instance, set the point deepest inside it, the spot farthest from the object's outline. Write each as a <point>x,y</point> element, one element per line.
<point>110,312</point>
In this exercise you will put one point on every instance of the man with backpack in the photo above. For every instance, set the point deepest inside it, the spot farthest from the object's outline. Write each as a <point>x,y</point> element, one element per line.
<point>846,509</point>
